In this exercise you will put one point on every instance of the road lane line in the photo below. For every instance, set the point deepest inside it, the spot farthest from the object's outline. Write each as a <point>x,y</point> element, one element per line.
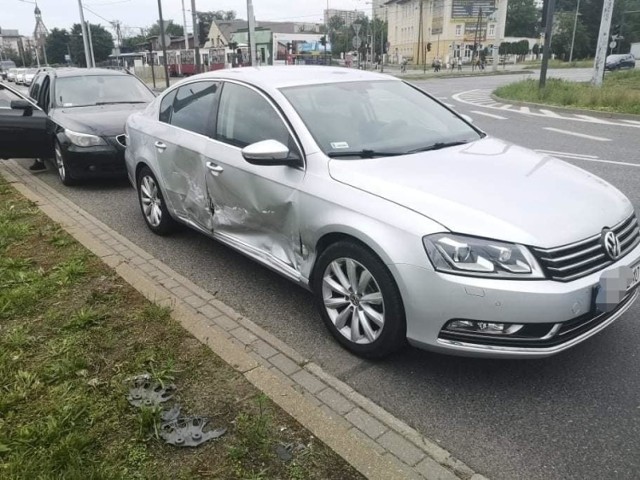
<point>554,152</point>
<point>576,134</point>
<point>632,122</point>
<point>570,156</point>
<point>549,113</point>
<point>488,114</point>
<point>448,105</point>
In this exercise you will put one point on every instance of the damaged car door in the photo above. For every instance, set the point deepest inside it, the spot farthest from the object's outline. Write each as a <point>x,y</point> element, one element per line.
<point>181,138</point>
<point>255,206</point>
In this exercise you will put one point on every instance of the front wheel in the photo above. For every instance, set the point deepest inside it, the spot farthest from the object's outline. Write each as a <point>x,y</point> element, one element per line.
<point>154,209</point>
<point>61,166</point>
<point>359,300</point>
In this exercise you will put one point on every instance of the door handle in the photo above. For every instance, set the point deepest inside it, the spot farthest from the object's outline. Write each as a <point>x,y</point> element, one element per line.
<point>214,169</point>
<point>160,146</point>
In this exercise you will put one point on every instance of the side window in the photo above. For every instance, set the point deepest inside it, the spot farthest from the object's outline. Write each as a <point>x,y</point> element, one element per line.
<point>166,107</point>
<point>193,105</point>
<point>35,88</point>
<point>43,93</point>
<point>246,117</point>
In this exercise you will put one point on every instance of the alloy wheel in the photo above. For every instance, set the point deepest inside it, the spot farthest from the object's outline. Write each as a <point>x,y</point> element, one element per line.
<point>151,201</point>
<point>353,300</point>
<point>62,172</point>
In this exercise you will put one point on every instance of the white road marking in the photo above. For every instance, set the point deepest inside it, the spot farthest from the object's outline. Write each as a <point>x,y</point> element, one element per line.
<point>482,98</point>
<point>448,105</point>
<point>488,114</point>
<point>576,134</point>
<point>554,152</point>
<point>585,158</point>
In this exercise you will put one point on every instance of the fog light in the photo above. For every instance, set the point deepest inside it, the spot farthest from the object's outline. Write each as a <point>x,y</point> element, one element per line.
<point>487,328</point>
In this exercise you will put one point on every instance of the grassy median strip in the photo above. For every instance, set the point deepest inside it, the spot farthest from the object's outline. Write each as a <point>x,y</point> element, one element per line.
<point>619,93</point>
<point>72,332</point>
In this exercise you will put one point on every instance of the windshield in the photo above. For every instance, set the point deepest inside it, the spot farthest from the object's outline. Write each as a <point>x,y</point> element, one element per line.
<point>376,118</point>
<point>89,90</point>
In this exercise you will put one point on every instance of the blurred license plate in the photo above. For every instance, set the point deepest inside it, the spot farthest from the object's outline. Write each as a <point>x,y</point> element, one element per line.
<point>614,285</point>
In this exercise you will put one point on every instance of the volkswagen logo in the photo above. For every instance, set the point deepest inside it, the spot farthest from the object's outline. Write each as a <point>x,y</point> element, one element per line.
<point>611,244</point>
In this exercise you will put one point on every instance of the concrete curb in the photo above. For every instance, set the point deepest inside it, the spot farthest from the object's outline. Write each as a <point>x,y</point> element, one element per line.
<point>377,444</point>
<point>446,76</point>
<point>578,111</point>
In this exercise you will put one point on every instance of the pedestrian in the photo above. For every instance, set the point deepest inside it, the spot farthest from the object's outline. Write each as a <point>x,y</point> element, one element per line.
<point>459,62</point>
<point>38,165</point>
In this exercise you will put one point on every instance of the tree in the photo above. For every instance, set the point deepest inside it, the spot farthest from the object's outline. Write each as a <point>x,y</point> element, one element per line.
<point>56,45</point>
<point>561,39</point>
<point>170,28</point>
<point>522,19</point>
<point>101,39</point>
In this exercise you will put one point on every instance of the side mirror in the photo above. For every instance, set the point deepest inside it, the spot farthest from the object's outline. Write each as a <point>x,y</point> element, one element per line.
<point>22,105</point>
<point>269,152</point>
<point>466,117</point>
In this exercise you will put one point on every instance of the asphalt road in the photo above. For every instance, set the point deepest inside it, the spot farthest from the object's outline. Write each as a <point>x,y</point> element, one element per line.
<point>572,416</point>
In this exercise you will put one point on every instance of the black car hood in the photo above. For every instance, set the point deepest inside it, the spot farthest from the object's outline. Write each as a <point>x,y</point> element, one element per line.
<point>102,120</point>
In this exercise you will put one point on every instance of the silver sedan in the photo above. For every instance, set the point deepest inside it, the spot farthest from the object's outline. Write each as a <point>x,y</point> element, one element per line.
<point>405,221</point>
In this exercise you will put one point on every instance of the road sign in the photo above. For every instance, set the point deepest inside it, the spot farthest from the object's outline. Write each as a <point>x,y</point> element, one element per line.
<point>356,28</point>
<point>613,44</point>
<point>356,42</point>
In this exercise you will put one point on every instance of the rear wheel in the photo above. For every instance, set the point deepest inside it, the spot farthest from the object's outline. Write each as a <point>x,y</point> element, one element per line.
<point>152,204</point>
<point>359,300</point>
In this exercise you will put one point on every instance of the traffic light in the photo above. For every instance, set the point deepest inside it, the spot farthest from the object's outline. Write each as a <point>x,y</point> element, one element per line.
<point>323,40</point>
<point>615,30</point>
<point>429,47</point>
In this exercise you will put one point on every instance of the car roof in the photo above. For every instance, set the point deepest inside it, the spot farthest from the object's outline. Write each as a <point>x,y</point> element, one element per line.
<point>294,75</point>
<point>83,72</point>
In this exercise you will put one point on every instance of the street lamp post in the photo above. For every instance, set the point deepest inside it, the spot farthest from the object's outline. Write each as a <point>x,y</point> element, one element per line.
<point>85,37</point>
<point>573,35</point>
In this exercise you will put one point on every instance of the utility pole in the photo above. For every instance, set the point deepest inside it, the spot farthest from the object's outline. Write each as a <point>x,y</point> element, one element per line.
<point>546,50</point>
<point>421,38</point>
<point>93,60</point>
<point>573,36</point>
<point>252,32</point>
<point>603,40</point>
<point>184,27</point>
<point>164,46</point>
<point>85,37</point>
<point>196,36</point>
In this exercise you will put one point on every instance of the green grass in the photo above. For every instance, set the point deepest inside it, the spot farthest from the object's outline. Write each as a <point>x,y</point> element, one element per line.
<point>72,332</point>
<point>619,93</point>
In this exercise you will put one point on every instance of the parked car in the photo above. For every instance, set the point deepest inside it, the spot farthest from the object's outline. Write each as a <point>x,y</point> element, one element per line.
<point>20,75</point>
<point>11,74</point>
<point>87,110</point>
<point>616,62</point>
<point>28,75</point>
<point>404,220</point>
<point>5,66</point>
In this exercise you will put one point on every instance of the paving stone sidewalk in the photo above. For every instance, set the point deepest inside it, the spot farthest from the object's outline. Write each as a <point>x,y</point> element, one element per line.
<point>331,409</point>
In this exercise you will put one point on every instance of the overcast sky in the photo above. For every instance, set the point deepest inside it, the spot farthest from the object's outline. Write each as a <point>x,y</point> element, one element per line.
<point>18,14</point>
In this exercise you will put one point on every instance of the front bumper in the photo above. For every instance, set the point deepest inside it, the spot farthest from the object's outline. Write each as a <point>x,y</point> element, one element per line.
<point>432,299</point>
<point>104,161</point>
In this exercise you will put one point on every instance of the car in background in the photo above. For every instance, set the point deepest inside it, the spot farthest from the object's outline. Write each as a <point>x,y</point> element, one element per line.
<point>20,75</point>
<point>86,113</point>
<point>618,61</point>
<point>28,76</point>
<point>5,66</point>
<point>11,74</point>
<point>404,220</point>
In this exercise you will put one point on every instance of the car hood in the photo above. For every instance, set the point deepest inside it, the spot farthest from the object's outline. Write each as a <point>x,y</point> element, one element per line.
<point>102,120</point>
<point>490,188</point>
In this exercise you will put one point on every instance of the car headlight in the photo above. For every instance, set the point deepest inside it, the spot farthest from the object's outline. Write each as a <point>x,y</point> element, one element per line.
<point>463,255</point>
<point>84,139</point>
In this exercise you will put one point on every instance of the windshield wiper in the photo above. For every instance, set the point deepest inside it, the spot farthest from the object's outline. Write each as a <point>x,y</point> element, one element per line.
<point>125,101</point>
<point>436,146</point>
<point>365,153</point>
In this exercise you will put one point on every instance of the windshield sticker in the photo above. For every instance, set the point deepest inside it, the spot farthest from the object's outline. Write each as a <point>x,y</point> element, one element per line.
<point>337,145</point>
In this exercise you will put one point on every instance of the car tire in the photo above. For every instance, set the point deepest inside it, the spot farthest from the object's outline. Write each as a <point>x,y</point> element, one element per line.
<point>354,289</point>
<point>61,166</point>
<point>152,205</point>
